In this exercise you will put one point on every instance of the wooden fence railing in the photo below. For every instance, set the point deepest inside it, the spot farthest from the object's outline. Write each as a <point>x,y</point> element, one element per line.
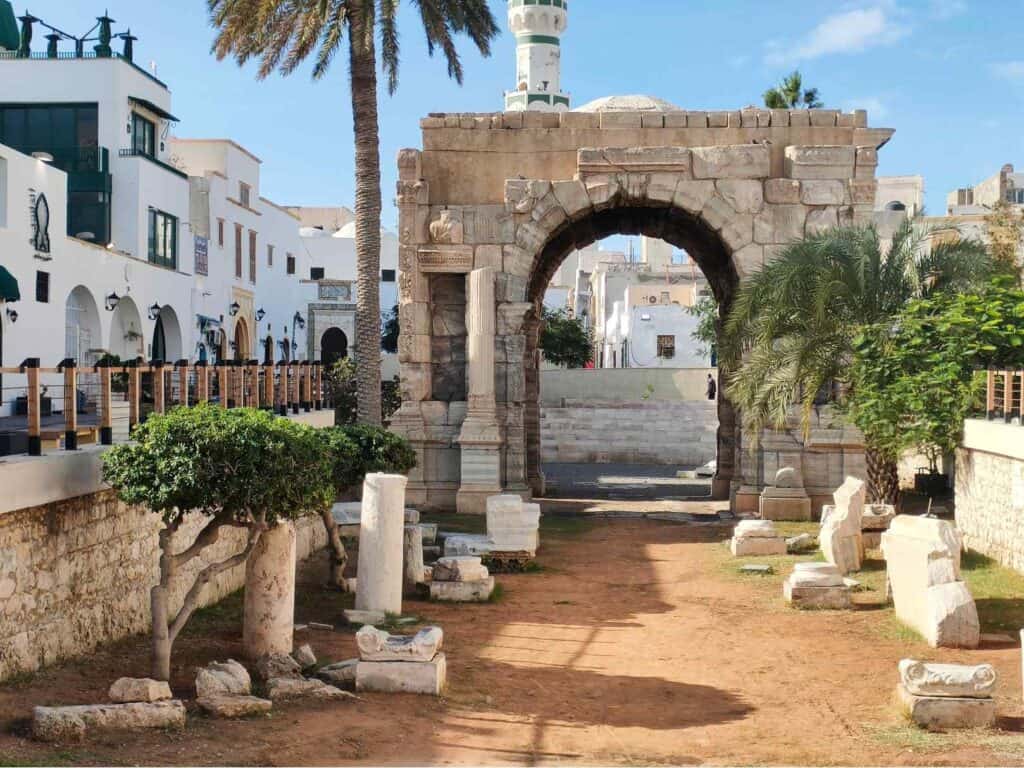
<point>1004,397</point>
<point>119,396</point>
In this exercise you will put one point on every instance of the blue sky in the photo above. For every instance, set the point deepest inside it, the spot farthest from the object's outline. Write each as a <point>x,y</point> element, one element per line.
<point>948,75</point>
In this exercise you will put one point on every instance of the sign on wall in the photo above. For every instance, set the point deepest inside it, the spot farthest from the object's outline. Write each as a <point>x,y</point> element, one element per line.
<point>202,251</point>
<point>41,224</point>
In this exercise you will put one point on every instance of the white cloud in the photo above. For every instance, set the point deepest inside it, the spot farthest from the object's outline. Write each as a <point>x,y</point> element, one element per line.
<point>1009,70</point>
<point>876,107</point>
<point>851,31</point>
<point>947,9</point>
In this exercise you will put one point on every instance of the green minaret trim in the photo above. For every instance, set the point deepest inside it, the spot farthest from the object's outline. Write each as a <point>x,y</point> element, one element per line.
<point>9,36</point>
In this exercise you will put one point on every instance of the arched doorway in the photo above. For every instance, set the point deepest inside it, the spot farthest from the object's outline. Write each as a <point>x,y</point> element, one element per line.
<point>166,344</point>
<point>241,341</point>
<point>126,339</point>
<point>82,336</point>
<point>333,346</point>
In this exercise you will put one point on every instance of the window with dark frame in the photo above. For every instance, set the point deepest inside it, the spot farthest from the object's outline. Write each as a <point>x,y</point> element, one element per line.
<point>387,275</point>
<point>143,136</point>
<point>238,251</point>
<point>163,239</point>
<point>666,347</point>
<point>270,255</point>
<point>290,264</point>
<point>316,273</point>
<point>220,233</point>
<point>43,287</point>
<point>244,194</point>
<point>252,256</point>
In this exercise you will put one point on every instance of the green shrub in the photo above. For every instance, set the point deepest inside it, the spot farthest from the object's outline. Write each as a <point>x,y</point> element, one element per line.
<point>357,450</point>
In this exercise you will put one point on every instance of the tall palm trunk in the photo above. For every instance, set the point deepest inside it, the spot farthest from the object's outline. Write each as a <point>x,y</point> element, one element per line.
<point>883,478</point>
<point>363,71</point>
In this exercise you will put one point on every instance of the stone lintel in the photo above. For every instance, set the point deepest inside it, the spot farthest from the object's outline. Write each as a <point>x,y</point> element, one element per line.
<point>451,259</point>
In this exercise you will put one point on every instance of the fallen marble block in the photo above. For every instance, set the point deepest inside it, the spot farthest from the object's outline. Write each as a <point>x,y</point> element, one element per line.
<point>425,677</point>
<point>229,705</point>
<point>753,529</point>
<point>281,688</point>
<point>464,568</point>
<point>304,656</point>
<point>840,536</point>
<point>352,616</point>
<point>941,713</point>
<point>341,674</point>
<point>467,544</point>
<point>950,680</point>
<point>800,542</point>
<point>348,516</point>
<point>877,517</point>
<point>220,677</point>
<point>376,645</point>
<point>922,557</point>
<point>757,547</point>
<point>274,665</point>
<point>129,689</point>
<point>786,499</point>
<point>72,723</point>
<point>817,586</point>
<point>462,591</point>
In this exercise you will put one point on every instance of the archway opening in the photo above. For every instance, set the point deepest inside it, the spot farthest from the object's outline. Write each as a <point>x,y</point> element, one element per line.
<point>82,335</point>
<point>166,344</point>
<point>333,346</point>
<point>648,404</point>
<point>240,344</point>
<point>126,339</point>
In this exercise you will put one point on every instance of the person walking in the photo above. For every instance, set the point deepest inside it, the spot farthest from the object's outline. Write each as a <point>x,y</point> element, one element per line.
<point>712,388</point>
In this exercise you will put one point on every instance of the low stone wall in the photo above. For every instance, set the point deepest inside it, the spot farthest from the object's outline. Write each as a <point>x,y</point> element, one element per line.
<point>990,491</point>
<point>645,432</point>
<point>624,385</point>
<point>77,572</point>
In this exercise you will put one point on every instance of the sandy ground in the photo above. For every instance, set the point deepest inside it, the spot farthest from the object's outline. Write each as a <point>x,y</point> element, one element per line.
<point>636,643</point>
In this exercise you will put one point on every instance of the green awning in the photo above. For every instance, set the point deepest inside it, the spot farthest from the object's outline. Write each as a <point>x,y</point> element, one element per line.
<point>10,36</point>
<point>8,286</point>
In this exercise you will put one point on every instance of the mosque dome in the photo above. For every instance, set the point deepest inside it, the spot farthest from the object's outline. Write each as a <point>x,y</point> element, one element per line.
<point>631,103</point>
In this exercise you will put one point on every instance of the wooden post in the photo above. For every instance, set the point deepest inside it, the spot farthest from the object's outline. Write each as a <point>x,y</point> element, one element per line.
<point>182,366</point>
<point>70,404</point>
<point>267,393</point>
<point>202,382</point>
<point>318,384</point>
<point>134,394</point>
<point>253,401</point>
<point>1007,396</point>
<point>224,382</point>
<point>304,390</point>
<point>282,388</point>
<point>990,396</point>
<point>295,388</point>
<point>106,404</point>
<point>30,368</point>
<point>157,368</point>
<point>1020,412</point>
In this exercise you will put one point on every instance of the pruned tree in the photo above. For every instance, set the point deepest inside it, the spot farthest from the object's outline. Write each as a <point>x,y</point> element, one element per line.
<point>790,94</point>
<point>237,468</point>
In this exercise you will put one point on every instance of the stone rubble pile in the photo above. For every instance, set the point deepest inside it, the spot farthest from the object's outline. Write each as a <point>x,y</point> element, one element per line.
<point>840,537</point>
<point>224,689</point>
<point>401,664</point>
<point>463,579</point>
<point>922,558</point>
<point>947,696</point>
<point>817,585</point>
<point>754,538</point>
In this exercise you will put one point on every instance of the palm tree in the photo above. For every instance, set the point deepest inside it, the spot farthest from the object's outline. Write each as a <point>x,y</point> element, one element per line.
<point>792,326</point>
<point>790,94</point>
<point>282,34</point>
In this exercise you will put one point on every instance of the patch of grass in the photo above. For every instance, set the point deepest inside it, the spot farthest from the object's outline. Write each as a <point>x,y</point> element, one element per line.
<point>219,617</point>
<point>910,737</point>
<point>891,628</point>
<point>565,525</point>
<point>998,592</point>
<point>497,595</point>
<point>534,567</point>
<point>456,523</point>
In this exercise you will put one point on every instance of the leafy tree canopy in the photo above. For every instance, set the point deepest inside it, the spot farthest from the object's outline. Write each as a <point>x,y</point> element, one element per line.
<point>564,340</point>
<point>706,333</point>
<point>790,94</point>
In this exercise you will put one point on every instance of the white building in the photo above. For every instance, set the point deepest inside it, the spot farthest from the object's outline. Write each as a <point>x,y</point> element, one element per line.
<point>122,239</point>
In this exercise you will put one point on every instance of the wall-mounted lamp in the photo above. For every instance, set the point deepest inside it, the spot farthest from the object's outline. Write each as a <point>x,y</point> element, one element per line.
<point>260,314</point>
<point>154,311</point>
<point>111,302</point>
<point>12,315</point>
<point>46,157</point>
<point>234,308</point>
<point>299,321</point>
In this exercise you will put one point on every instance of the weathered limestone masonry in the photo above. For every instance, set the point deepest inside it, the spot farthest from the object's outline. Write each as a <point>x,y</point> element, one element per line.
<point>77,573</point>
<point>508,196</point>
<point>646,432</point>
<point>990,491</point>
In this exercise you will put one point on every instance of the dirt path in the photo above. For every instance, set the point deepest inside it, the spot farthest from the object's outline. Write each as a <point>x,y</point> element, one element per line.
<point>637,643</point>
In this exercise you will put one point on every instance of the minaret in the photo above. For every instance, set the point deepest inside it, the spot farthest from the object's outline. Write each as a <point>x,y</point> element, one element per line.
<point>538,26</point>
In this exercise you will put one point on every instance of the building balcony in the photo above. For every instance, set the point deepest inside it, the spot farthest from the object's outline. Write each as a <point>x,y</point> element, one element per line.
<point>132,152</point>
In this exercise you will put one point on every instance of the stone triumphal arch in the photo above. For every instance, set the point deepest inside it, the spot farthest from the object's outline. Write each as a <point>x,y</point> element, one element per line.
<point>493,203</point>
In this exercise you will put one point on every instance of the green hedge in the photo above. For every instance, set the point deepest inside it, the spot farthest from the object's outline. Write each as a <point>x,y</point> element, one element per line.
<point>358,450</point>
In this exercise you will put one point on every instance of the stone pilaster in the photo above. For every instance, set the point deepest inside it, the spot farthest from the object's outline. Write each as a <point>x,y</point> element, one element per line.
<point>480,438</point>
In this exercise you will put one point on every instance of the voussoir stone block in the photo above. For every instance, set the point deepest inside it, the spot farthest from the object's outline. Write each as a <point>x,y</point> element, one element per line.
<point>744,195</point>
<point>741,161</point>
<point>823,192</point>
<point>784,191</point>
<point>780,224</point>
<point>693,195</point>
<point>573,197</point>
